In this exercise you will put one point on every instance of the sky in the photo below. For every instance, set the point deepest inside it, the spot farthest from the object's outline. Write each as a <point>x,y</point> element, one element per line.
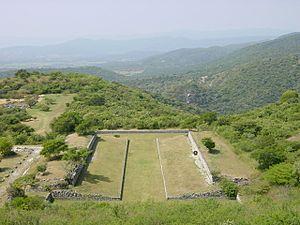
<point>70,19</point>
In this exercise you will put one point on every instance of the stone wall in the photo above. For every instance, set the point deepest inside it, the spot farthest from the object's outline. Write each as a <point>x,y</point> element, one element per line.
<point>78,169</point>
<point>73,195</point>
<point>200,161</point>
<point>214,194</point>
<point>142,131</point>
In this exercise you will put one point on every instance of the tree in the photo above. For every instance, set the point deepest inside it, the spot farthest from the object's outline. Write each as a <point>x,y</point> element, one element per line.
<point>23,74</point>
<point>5,146</point>
<point>208,143</point>
<point>52,148</point>
<point>268,157</point>
<point>209,117</point>
<point>66,123</point>
<point>289,96</point>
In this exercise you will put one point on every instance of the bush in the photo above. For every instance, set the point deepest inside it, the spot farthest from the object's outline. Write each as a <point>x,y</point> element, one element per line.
<point>268,157</point>
<point>76,155</point>
<point>27,203</point>
<point>289,96</point>
<point>208,143</point>
<point>281,174</point>
<point>230,188</point>
<point>41,168</point>
<point>53,147</point>
<point>14,191</point>
<point>66,123</point>
<point>5,146</point>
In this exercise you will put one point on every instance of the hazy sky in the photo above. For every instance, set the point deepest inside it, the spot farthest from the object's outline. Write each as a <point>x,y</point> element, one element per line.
<point>100,18</point>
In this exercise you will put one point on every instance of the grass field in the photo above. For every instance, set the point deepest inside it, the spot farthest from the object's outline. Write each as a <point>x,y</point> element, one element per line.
<point>143,176</point>
<point>224,159</point>
<point>181,173</point>
<point>43,119</point>
<point>104,173</point>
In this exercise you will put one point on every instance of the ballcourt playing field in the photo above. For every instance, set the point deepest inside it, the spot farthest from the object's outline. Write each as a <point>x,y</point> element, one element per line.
<point>144,172</point>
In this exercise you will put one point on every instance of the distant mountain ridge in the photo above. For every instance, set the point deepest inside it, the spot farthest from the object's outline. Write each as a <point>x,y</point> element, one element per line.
<point>243,79</point>
<point>83,51</point>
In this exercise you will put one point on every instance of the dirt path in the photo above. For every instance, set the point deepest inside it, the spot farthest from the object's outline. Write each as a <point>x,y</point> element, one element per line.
<point>20,171</point>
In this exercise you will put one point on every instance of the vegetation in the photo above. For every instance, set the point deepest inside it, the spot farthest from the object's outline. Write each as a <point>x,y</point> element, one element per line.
<point>12,129</point>
<point>146,213</point>
<point>263,133</point>
<point>53,148</point>
<point>5,147</point>
<point>244,79</point>
<point>230,189</point>
<point>99,104</point>
<point>209,143</point>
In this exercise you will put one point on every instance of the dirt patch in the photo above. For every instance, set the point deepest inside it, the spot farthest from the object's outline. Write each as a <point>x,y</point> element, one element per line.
<point>74,140</point>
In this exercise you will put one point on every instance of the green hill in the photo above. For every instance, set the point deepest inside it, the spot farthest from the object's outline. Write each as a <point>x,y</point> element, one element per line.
<point>244,79</point>
<point>97,104</point>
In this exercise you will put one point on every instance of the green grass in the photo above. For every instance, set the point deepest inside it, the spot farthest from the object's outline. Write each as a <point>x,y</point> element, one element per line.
<point>104,173</point>
<point>224,159</point>
<point>181,173</point>
<point>41,124</point>
<point>143,176</point>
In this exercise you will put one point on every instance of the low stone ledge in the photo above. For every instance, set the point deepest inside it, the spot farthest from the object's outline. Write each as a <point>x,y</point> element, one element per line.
<point>73,195</point>
<point>142,131</point>
<point>214,194</point>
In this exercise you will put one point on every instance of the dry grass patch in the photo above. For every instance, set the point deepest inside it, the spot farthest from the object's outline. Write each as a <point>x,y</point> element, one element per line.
<point>224,159</point>
<point>74,140</point>
<point>8,163</point>
<point>181,173</point>
<point>295,138</point>
<point>42,121</point>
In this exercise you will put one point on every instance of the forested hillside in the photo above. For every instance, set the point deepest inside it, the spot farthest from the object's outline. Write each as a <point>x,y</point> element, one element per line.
<point>97,104</point>
<point>92,70</point>
<point>247,78</point>
<point>178,61</point>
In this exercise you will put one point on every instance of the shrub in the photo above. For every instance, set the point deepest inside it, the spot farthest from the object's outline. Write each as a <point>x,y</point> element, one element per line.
<point>41,168</point>
<point>5,146</point>
<point>53,147</point>
<point>76,155</point>
<point>281,174</point>
<point>230,188</point>
<point>15,190</point>
<point>268,157</point>
<point>289,96</point>
<point>208,143</point>
<point>27,203</point>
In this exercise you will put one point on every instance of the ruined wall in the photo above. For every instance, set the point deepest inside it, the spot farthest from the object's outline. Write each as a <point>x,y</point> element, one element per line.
<point>73,195</point>
<point>214,194</point>
<point>200,161</point>
<point>78,169</point>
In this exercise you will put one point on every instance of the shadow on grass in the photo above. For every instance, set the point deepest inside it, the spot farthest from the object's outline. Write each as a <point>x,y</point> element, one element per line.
<point>3,169</point>
<point>94,179</point>
<point>214,151</point>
